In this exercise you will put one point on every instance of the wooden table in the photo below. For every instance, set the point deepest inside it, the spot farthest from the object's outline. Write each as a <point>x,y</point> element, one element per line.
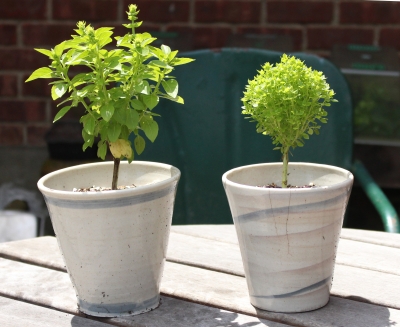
<point>204,285</point>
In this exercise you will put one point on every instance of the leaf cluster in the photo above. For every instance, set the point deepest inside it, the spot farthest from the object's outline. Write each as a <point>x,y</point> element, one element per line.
<point>287,102</point>
<point>119,88</point>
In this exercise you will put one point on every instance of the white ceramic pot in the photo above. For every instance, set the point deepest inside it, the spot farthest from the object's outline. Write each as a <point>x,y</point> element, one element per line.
<point>288,237</point>
<point>114,243</point>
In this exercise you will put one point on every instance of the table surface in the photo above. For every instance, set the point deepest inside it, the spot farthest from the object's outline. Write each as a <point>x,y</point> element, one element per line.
<point>203,285</point>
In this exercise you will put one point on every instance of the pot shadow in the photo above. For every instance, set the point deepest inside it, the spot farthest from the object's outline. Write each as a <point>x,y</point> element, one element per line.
<point>221,319</point>
<point>358,312</point>
<point>379,316</point>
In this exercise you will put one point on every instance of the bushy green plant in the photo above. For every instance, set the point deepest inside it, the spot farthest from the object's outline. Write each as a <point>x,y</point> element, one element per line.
<point>118,89</point>
<point>287,101</point>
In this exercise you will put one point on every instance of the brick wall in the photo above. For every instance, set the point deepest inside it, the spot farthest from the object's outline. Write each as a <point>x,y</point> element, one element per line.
<point>315,26</point>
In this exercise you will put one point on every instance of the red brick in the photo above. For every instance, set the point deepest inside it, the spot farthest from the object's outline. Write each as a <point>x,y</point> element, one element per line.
<point>36,134</point>
<point>37,88</point>
<point>161,11</point>
<point>8,34</point>
<point>8,85</point>
<point>295,34</point>
<point>46,35</point>
<point>228,11</point>
<point>205,37</point>
<point>21,59</point>
<point>326,38</point>
<point>87,10</point>
<point>11,135</point>
<point>370,12</point>
<point>303,12</point>
<point>390,37</point>
<point>23,9</point>
<point>22,111</point>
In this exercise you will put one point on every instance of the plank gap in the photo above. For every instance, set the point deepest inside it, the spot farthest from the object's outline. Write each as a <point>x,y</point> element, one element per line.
<point>206,267</point>
<point>32,262</point>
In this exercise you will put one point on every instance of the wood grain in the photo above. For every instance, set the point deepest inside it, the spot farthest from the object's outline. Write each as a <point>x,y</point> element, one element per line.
<point>36,285</point>
<point>16,313</point>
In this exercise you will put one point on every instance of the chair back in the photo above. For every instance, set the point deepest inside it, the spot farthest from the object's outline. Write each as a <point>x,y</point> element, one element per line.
<point>208,135</point>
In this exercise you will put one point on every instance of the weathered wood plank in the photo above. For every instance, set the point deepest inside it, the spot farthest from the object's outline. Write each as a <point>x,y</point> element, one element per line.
<point>225,257</point>
<point>16,313</point>
<point>198,285</point>
<point>214,254</point>
<point>369,256</point>
<point>41,251</point>
<point>45,287</point>
<point>373,237</point>
<point>221,233</point>
<point>227,233</point>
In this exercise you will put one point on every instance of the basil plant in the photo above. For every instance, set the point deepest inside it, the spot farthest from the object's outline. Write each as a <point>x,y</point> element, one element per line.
<point>118,87</point>
<point>287,102</point>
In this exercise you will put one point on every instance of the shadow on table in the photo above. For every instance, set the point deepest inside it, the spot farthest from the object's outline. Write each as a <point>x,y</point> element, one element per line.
<point>380,316</point>
<point>349,311</point>
<point>221,319</point>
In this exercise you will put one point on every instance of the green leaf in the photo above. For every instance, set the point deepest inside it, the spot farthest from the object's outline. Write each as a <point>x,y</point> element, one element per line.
<point>172,55</point>
<point>178,99</point>
<point>46,52</point>
<point>150,100</point>
<point>102,149</point>
<point>159,63</point>
<point>107,111</point>
<point>181,61</point>
<point>76,57</point>
<point>137,104</point>
<point>143,88</point>
<point>149,127</point>
<point>113,131</point>
<point>59,48</point>
<point>170,87</point>
<point>89,123</point>
<point>140,144</point>
<point>132,119</point>
<point>58,90</point>
<point>88,140</point>
<point>166,49</point>
<point>43,72</point>
<point>120,115</point>
<point>61,113</point>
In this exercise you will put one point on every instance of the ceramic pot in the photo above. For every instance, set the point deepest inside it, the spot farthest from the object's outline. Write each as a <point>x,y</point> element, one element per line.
<point>288,237</point>
<point>113,243</point>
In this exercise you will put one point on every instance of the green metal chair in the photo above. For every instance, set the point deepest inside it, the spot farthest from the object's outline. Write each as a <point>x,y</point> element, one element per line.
<point>208,135</point>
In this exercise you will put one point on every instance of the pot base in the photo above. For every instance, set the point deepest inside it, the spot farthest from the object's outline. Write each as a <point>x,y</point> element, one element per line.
<point>293,304</point>
<point>119,309</point>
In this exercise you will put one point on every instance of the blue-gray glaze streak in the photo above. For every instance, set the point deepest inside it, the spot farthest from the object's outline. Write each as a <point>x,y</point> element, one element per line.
<point>119,308</point>
<point>109,203</point>
<point>284,210</point>
<point>303,290</point>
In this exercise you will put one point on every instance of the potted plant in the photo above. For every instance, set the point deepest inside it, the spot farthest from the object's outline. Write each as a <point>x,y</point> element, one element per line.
<point>288,234</point>
<point>113,242</point>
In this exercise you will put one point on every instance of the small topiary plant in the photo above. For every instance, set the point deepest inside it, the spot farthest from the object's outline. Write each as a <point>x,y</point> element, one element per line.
<point>287,101</point>
<point>119,88</point>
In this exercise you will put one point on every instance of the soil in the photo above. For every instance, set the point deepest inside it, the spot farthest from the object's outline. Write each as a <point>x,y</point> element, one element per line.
<point>101,188</point>
<point>273,185</point>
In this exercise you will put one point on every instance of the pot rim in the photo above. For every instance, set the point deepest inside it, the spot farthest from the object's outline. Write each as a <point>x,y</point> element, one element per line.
<point>227,181</point>
<point>110,193</point>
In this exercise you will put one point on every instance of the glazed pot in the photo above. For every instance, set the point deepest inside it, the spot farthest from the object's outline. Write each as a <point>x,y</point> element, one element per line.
<point>288,237</point>
<point>113,243</point>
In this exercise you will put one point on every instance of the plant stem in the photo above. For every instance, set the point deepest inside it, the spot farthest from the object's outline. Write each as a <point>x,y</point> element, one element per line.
<point>285,167</point>
<point>115,174</point>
